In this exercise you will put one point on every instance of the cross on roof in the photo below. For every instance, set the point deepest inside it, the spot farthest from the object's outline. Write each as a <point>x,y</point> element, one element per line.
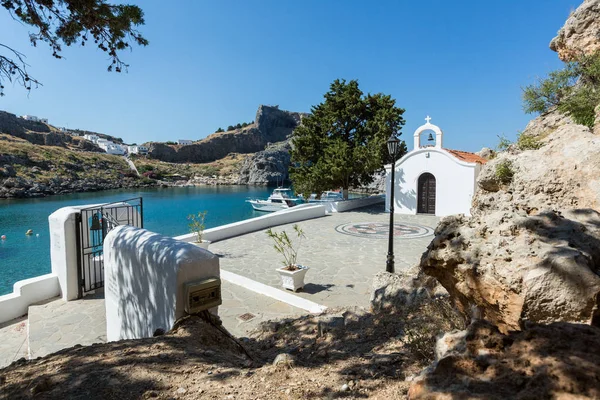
<point>428,119</point>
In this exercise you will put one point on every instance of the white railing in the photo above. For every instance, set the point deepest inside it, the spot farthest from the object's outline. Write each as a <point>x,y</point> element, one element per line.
<point>295,214</point>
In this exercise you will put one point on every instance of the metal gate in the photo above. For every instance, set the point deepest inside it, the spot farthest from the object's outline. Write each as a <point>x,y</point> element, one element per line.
<point>93,224</point>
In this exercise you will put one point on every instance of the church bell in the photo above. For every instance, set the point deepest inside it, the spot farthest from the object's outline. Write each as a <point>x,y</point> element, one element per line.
<point>430,138</point>
<point>95,223</point>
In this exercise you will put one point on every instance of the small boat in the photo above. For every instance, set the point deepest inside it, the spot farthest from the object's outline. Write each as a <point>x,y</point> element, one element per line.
<point>280,199</point>
<point>329,195</point>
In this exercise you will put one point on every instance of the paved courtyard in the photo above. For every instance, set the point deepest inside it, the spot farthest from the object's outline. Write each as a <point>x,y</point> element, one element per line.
<point>343,251</point>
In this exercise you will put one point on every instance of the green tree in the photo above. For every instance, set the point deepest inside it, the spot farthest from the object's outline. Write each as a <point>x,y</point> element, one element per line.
<point>230,128</point>
<point>220,130</point>
<point>344,140</point>
<point>573,90</point>
<point>112,27</point>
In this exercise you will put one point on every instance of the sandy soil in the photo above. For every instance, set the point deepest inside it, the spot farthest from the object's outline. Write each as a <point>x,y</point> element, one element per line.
<point>344,354</point>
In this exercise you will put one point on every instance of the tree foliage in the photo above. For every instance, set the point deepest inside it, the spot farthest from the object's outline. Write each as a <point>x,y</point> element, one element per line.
<point>573,90</point>
<point>112,27</point>
<point>344,140</point>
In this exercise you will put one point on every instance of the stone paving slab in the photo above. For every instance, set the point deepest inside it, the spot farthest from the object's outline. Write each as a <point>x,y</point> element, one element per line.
<point>13,341</point>
<point>238,301</point>
<point>59,325</point>
<point>341,265</point>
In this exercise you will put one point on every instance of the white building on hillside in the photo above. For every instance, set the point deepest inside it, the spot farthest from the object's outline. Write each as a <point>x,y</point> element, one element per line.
<point>137,149</point>
<point>433,180</point>
<point>34,118</point>
<point>91,138</point>
<point>184,142</point>
<point>112,148</point>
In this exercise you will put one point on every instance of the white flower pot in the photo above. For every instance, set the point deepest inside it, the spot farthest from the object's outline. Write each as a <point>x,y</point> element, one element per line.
<point>293,280</point>
<point>203,245</point>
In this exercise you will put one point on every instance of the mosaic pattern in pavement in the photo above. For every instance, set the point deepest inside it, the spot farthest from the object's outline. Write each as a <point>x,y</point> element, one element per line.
<point>381,230</point>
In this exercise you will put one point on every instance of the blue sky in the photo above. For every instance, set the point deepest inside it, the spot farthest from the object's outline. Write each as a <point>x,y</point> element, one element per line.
<point>210,64</point>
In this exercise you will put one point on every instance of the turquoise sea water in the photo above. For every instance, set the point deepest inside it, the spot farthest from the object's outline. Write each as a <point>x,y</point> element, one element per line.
<point>165,212</point>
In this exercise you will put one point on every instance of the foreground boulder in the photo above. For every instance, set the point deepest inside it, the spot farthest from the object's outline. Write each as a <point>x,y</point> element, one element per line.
<point>542,362</point>
<point>531,250</point>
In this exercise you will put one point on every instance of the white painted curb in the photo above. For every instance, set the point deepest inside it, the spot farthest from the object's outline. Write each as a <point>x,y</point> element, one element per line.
<point>269,291</point>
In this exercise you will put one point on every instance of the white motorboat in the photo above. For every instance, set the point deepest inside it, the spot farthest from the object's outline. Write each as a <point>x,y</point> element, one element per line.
<point>280,199</point>
<point>329,195</point>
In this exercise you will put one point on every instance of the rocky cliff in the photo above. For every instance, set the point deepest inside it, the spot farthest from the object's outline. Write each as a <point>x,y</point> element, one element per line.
<point>267,167</point>
<point>531,250</point>
<point>271,125</point>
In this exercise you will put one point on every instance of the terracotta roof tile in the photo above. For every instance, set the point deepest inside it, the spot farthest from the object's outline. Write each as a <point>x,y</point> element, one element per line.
<point>466,156</point>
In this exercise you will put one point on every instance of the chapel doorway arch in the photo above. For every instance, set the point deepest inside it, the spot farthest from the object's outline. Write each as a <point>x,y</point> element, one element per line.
<point>426,194</point>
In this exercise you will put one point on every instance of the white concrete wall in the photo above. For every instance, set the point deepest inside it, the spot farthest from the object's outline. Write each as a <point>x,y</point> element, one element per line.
<point>352,204</point>
<point>145,275</point>
<point>63,250</point>
<point>26,293</point>
<point>295,214</point>
<point>455,182</point>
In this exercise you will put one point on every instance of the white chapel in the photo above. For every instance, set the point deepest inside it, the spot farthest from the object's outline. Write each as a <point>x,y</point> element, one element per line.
<point>431,179</point>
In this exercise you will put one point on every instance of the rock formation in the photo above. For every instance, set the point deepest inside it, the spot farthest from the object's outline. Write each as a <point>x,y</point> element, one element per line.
<point>267,167</point>
<point>542,362</point>
<point>580,34</point>
<point>531,250</point>
<point>271,125</point>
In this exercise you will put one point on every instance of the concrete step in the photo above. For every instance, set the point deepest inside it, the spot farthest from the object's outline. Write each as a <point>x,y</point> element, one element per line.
<point>58,324</point>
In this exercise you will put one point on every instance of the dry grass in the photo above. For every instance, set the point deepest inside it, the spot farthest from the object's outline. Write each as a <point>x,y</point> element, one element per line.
<point>226,166</point>
<point>54,161</point>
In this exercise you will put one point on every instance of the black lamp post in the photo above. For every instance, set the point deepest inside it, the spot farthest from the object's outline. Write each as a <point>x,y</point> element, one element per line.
<point>393,143</point>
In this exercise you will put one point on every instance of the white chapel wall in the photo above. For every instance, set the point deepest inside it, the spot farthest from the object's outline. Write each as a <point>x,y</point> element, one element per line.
<point>455,182</point>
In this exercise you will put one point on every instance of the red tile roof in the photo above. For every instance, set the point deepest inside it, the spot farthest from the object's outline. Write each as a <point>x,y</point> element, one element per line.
<point>466,156</point>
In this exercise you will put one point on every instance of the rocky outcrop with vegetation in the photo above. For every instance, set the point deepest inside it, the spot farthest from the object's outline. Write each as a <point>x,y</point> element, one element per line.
<point>46,135</point>
<point>28,170</point>
<point>531,250</point>
<point>271,125</point>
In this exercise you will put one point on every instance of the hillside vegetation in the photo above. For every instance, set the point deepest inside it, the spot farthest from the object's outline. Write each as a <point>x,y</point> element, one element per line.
<point>30,170</point>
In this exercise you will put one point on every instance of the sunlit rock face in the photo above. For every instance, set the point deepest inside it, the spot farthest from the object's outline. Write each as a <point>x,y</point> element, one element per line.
<point>531,250</point>
<point>271,125</point>
<point>580,34</point>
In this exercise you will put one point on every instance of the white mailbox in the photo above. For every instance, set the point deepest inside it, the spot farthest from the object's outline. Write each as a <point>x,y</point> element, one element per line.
<point>152,280</point>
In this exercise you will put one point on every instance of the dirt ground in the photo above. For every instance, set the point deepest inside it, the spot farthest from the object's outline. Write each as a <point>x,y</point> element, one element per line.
<point>342,354</point>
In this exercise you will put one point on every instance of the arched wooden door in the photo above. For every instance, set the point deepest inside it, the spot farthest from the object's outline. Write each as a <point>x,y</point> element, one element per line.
<point>426,194</point>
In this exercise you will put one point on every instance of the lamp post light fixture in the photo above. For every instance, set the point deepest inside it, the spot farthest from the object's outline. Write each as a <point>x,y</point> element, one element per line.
<point>392,144</point>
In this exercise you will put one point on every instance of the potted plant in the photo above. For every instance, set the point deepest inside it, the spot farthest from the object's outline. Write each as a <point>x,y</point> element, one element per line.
<point>292,274</point>
<point>196,224</point>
